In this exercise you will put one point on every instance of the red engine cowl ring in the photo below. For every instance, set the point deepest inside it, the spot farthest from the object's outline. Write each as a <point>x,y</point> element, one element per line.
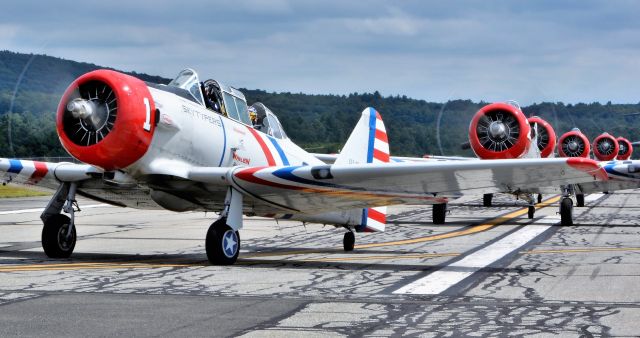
<point>105,118</point>
<point>625,149</point>
<point>546,136</point>
<point>499,131</point>
<point>605,147</point>
<point>574,144</point>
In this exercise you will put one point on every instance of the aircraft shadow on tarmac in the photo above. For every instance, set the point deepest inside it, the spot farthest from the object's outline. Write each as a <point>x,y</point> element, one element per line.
<point>178,261</point>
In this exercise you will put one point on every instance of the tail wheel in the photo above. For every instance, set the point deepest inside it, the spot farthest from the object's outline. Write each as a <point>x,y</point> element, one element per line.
<point>349,241</point>
<point>56,241</point>
<point>439,213</point>
<point>487,199</point>
<point>222,243</point>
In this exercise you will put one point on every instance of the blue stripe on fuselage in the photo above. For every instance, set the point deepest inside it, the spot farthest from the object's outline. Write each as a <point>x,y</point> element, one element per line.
<point>224,145</point>
<point>285,161</point>
<point>15,166</point>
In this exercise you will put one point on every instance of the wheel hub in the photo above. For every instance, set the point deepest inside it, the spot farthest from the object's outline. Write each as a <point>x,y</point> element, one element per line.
<point>230,243</point>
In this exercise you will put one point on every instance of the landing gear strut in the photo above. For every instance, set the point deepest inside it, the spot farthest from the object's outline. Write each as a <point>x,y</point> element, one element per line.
<point>222,243</point>
<point>349,241</point>
<point>486,200</point>
<point>59,232</point>
<point>439,213</point>
<point>531,211</point>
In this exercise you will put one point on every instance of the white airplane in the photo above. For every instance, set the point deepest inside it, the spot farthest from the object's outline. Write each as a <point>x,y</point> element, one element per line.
<point>498,131</point>
<point>193,145</point>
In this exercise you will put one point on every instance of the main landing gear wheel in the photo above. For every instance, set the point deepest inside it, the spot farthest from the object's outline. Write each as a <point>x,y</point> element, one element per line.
<point>349,241</point>
<point>57,242</point>
<point>566,211</point>
<point>539,198</point>
<point>486,200</point>
<point>531,211</point>
<point>580,200</point>
<point>439,213</point>
<point>222,243</point>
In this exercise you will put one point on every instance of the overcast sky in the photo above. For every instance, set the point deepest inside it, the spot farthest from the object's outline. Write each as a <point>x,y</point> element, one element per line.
<point>530,51</point>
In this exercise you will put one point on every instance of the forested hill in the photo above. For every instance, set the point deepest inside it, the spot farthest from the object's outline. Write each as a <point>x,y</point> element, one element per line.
<point>320,123</point>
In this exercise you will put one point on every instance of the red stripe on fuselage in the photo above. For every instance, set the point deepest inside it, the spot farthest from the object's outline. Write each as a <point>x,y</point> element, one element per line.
<point>265,149</point>
<point>377,216</point>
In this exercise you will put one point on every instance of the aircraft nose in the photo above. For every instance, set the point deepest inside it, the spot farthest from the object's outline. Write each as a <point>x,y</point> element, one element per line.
<point>573,145</point>
<point>497,130</point>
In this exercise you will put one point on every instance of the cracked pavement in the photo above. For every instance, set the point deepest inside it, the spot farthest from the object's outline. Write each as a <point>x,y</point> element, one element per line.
<point>145,273</point>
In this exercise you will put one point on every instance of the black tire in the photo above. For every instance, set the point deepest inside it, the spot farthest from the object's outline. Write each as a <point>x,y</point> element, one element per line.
<point>54,237</point>
<point>531,211</point>
<point>539,198</point>
<point>349,241</point>
<point>487,199</point>
<point>439,213</point>
<point>580,200</point>
<point>219,243</point>
<point>566,211</point>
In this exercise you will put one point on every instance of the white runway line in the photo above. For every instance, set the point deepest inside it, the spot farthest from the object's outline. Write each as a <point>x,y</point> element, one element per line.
<point>592,197</point>
<point>440,280</point>
<point>26,211</point>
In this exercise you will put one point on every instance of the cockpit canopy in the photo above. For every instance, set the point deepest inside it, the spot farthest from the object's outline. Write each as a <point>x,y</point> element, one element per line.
<point>228,101</point>
<point>267,122</point>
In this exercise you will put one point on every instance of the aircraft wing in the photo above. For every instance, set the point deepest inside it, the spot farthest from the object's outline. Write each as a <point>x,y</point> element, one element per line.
<point>623,175</point>
<point>314,189</point>
<point>46,174</point>
<point>331,158</point>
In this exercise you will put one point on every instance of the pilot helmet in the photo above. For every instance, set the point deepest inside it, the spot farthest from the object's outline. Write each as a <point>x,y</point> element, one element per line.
<point>253,113</point>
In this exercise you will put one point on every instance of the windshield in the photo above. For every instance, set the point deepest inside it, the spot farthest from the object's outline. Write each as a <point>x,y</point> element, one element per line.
<point>236,108</point>
<point>188,80</point>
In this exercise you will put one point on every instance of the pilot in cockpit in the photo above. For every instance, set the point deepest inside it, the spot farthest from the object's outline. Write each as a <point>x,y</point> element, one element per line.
<point>210,98</point>
<point>253,115</point>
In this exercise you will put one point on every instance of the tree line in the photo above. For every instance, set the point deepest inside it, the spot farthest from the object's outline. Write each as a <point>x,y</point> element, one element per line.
<point>319,123</point>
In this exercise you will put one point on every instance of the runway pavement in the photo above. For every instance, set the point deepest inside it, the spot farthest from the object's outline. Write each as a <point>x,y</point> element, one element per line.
<point>488,271</point>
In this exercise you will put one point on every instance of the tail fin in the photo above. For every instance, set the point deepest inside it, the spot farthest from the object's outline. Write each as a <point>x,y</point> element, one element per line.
<point>368,143</point>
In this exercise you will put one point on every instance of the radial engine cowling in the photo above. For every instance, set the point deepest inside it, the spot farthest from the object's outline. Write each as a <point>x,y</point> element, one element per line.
<point>605,147</point>
<point>573,144</point>
<point>105,119</point>
<point>546,140</point>
<point>625,149</point>
<point>499,131</point>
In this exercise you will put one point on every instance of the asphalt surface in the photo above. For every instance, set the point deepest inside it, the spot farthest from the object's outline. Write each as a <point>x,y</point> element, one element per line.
<point>487,272</point>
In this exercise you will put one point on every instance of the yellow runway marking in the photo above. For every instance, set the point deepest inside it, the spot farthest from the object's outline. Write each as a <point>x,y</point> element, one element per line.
<point>472,230</point>
<point>151,263</point>
<point>82,266</point>
<point>381,257</point>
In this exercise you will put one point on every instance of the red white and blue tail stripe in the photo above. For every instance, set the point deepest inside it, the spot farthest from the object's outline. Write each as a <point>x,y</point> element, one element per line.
<point>368,143</point>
